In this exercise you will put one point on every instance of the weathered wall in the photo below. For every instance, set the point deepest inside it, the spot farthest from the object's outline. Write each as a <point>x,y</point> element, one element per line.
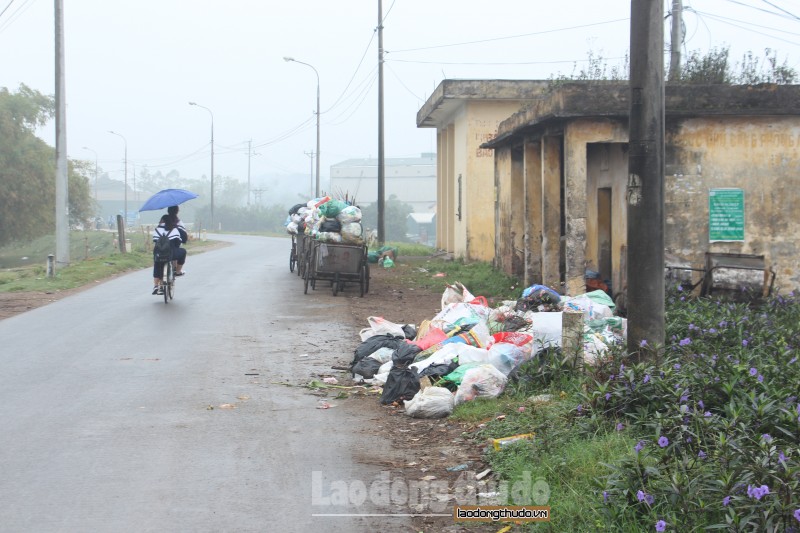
<point>607,167</point>
<point>578,134</point>
<point>760,155</point>
<point>482,120</point>
<point>532,170</point>
<point>510,212</point>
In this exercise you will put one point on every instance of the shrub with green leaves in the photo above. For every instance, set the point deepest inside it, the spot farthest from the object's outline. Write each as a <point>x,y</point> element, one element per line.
<point>716,422</point>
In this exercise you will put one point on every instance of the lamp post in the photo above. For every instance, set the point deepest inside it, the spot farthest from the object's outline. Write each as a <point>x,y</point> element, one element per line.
<point>317,73</point>
<point>95,171</point>
<point>212,160</point>
<point>126,174</point>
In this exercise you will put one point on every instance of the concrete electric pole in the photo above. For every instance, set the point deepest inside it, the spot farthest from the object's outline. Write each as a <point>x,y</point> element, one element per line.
<point>645,192</point>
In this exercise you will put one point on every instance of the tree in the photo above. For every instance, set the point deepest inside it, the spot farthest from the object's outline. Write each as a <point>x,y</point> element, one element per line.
<point>395,218</point>
<point>28,168</point>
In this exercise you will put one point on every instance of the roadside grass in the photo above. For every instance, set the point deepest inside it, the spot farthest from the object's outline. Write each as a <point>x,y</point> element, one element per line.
<point>93,257</point>
<point>421,266</point>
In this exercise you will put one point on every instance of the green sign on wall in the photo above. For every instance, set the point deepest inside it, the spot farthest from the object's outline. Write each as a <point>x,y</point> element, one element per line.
<point>726,215</point>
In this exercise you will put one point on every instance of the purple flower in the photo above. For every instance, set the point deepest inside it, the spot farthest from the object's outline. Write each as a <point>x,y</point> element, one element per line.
<point>744,342</point>
<point>685,341</point>
<point>781,457</point>
<point>712,330</point>
<point>688,439</point>
<point>621,369</point>
<point>620,426</point>
<point>726,500</point>
<point>677,366</point>
<point>723,324</point>
<point>605,496</point>
<point>640,495</point>
<point>663,442</point>
<point>701,454</point>
<point>684,398</point>
<point>797,515</point>
<point>757,492</point>
<point>643,343</point>
<point>760,378</point>
<point>793,360</point>
<point>646,378</point>
<point>767,437</point>
<point>608,396</point>
<point>579,408</point>
<point>753,371</point>
<point>639,446</point>
<point>611,377</point>
<point>661,525</point>
<point>707,414</point>
<point>700,404</point>
<point>649,499</point>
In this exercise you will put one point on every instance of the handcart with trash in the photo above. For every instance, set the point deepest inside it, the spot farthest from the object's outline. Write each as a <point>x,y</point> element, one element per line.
<point>337,263</point>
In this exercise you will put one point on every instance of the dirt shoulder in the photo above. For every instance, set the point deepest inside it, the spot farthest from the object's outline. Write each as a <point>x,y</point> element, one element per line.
<point>430,447</point>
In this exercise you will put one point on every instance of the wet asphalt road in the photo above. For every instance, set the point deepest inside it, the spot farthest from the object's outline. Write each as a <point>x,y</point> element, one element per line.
<point>104,406</point>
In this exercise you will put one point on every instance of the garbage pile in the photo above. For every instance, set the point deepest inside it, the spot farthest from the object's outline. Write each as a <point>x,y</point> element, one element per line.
<point>468,349</point>
<point>327,220</point>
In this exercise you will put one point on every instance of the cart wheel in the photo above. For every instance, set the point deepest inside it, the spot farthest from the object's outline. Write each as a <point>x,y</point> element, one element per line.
<point>335,284</point>
<point>362,281</point>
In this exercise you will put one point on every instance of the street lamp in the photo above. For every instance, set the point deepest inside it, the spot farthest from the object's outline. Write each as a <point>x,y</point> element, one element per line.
<point>126,174</point>
<point>95,171</point>
<point>212,160</point>
<point>317,73</point>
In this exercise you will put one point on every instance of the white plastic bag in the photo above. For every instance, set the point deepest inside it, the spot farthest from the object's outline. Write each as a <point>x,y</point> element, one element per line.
<point>483,381</point>
<point>545,327</point>
<point>430,402</point>
<point>452,312</point>
<point>380,326</point>
<point>456,293</point>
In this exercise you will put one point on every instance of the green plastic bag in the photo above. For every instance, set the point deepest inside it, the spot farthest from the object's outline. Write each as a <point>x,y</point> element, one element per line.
<point>456,376</point>
<point>387,262</point>
<point>331,208</point>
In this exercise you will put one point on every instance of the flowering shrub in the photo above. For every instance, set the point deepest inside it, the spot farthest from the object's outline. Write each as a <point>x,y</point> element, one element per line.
<point>716,422</point>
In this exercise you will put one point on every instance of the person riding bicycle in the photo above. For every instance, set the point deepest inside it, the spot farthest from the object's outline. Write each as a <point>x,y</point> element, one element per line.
<point>168,225</point>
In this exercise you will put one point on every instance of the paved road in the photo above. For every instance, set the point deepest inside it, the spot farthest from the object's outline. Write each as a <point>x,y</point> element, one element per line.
<point>104,396</point>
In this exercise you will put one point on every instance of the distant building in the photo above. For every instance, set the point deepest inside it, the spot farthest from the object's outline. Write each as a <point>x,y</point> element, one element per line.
<point>411,179</point>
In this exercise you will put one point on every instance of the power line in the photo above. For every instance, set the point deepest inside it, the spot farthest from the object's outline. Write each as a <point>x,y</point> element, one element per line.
<point>718,19</point>
<point>6,8</point>
<point>16,14</point>
<point>781,9</point>
<point>354,74</point>
<point>721,18</point>
<point>500,64</point>
<point>510,36</point>
<point>404,85</point>
<point>759,9</point>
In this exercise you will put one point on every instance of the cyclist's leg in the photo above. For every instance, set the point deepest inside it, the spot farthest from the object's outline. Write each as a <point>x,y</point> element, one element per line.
<point>157,273</point>
<point>180,259</point>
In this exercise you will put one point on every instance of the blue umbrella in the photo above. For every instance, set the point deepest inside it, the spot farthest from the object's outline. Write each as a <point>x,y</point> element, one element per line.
<point>167,198</point>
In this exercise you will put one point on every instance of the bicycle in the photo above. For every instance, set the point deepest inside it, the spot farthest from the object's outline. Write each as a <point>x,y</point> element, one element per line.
<point>168,281</point>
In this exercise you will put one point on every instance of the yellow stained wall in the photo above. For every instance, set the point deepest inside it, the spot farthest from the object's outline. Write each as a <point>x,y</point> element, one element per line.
<point>480,125</point>
<point>760,155</point>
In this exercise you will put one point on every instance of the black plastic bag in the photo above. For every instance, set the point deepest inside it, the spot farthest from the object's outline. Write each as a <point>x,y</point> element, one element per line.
<point>404,354</point>
<point>410,331</point>
<point>375,343</point>
<point>402,384</point>
<point>366,368</point>
<point>295,208</point>
<point>330,225</point>
<point>437,371</point>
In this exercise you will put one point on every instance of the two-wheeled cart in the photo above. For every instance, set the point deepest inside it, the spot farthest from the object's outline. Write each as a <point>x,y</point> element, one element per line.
<point>338,263</point>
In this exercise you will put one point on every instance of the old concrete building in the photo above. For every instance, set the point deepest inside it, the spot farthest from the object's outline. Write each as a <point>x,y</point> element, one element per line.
<point>466,114</point>
<point>561,174</point>
<point>411,179</point>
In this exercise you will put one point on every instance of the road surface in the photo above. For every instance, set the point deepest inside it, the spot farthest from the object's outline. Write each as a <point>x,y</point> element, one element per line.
<point>106,419</point>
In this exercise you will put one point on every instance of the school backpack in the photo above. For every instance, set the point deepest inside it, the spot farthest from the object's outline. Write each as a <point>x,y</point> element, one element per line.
<point>162,249</point>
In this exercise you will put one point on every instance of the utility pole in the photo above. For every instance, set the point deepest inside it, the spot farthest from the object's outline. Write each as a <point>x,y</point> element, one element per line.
<point>311,156</point>
<point>645,192</point>
<point>249,151</point>
<point>62,189</point>
<point>381,166</point>
<point>676,40</point>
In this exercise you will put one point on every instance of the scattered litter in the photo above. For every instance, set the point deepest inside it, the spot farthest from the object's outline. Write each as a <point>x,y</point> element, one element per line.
<point>330,380</point>
<point>488,494</point>
<point>210,408</point>
<point>428,478</point>
<point>303,355</point>
<point>458,468</point>
<point>483,474</point>
<point>521,409</point>
<point>243,397</point>
<point>541,398</point>
<point>324,405</point>
<point>227,406</point>
<point>439,275</point>
<point>505,441</point>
